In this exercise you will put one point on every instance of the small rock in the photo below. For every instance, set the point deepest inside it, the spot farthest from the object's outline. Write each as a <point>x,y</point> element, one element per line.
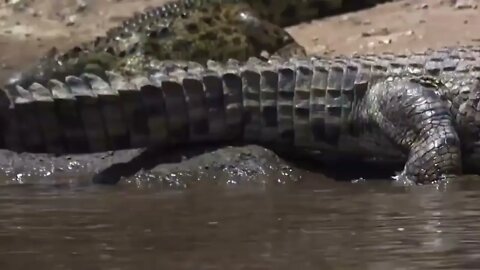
<point>386,41</point>
<point>81,5</point>
<point>423,6</point>
<point>376,32</point>
<point>71,20</point>
<point>466,4</point>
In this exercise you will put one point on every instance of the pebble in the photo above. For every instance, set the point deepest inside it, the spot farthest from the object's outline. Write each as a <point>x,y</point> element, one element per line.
<point>71,20</point>
<point>423,6</point>
<point>386,41</point>
<point>466,4</point>
<point>376,32</point>
<point>81,5</point>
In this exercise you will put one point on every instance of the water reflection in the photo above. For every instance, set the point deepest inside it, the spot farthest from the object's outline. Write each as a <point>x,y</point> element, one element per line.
<point>308,225</point>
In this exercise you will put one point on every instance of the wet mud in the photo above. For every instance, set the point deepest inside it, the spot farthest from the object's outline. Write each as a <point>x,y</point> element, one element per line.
<point>174,168</point>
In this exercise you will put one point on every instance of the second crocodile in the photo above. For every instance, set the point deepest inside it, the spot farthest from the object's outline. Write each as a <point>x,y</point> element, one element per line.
<point>194,30</point>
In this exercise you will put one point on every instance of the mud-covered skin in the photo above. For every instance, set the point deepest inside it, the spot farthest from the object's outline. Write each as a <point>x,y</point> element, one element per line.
<point>385,106</point>
<point>195,30</point>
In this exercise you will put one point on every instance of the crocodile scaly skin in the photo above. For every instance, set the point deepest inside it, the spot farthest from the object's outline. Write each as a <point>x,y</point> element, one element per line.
<point>420,107</point>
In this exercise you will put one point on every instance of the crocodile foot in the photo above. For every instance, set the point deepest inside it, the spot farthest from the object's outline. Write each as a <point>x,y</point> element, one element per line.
<point>414,115</point>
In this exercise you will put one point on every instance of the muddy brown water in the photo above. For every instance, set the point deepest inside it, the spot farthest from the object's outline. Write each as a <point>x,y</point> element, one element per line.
<point>314,223</point>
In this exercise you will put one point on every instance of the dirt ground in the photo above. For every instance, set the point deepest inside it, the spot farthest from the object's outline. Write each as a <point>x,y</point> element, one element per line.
<point>28,28</point>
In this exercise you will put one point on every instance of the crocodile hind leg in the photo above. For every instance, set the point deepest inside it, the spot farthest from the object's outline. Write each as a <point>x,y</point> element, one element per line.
<point>414,115</point>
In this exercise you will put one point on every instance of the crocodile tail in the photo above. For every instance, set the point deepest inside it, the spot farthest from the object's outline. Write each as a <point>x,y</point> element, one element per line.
<point>289,102</point>
<point>68,116</point>
<point>91,113</point>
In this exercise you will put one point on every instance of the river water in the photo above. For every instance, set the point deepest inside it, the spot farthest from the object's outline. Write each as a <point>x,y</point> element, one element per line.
<point>314,223</point>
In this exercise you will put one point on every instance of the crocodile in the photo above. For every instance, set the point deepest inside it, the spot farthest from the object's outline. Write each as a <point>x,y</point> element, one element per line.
<point>188,30</point>
<point>420,108</point>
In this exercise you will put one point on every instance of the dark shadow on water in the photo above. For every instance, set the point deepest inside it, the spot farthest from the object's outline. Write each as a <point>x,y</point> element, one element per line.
<point>343,169</point>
